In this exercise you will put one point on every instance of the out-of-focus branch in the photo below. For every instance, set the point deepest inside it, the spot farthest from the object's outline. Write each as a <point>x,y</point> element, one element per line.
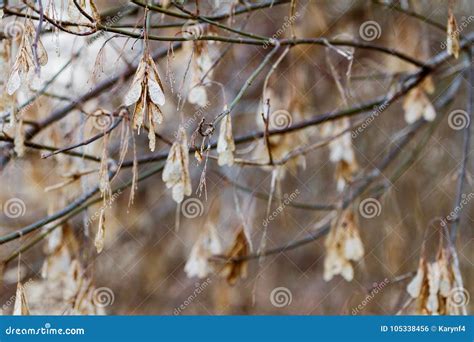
<point>411,14</point>
<point>87,141</point>
<point>56,24</point>
<point>64,215</point>
<point>247,84</point>
<point>352,196</point>
<point>237,11</point>
<point>219,25</point>
<point>48,219</point>
<point>409,83</point>
<point>362,187</point>
<point>53,148</point>
<point>465,149</point>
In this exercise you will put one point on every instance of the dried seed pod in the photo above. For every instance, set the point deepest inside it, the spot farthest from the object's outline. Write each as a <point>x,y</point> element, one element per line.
<point>335,264</point>
<point>416,105</point>
<point>353,246</point>
<point>100,236</point>
<point>341,152</point>
<point>25,63</point>
<point>434,278</point>
<point>206,245</point>
<point>433,286</point>
<point>146,92</point>
<point>225,143</point>
<point>343,244</point>
<point>414,288</point>
<point>198,95</point>
<point>176,170</point>
<point>201,71</point>
<point>19,141</point>
<point>447,275</point>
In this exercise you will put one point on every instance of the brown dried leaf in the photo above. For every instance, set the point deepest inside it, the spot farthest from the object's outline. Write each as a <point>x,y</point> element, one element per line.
<point>235,269</point>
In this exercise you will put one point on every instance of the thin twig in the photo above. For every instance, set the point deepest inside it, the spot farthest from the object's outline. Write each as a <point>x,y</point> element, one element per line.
<point>465,151</point>
<point>86,142</point>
